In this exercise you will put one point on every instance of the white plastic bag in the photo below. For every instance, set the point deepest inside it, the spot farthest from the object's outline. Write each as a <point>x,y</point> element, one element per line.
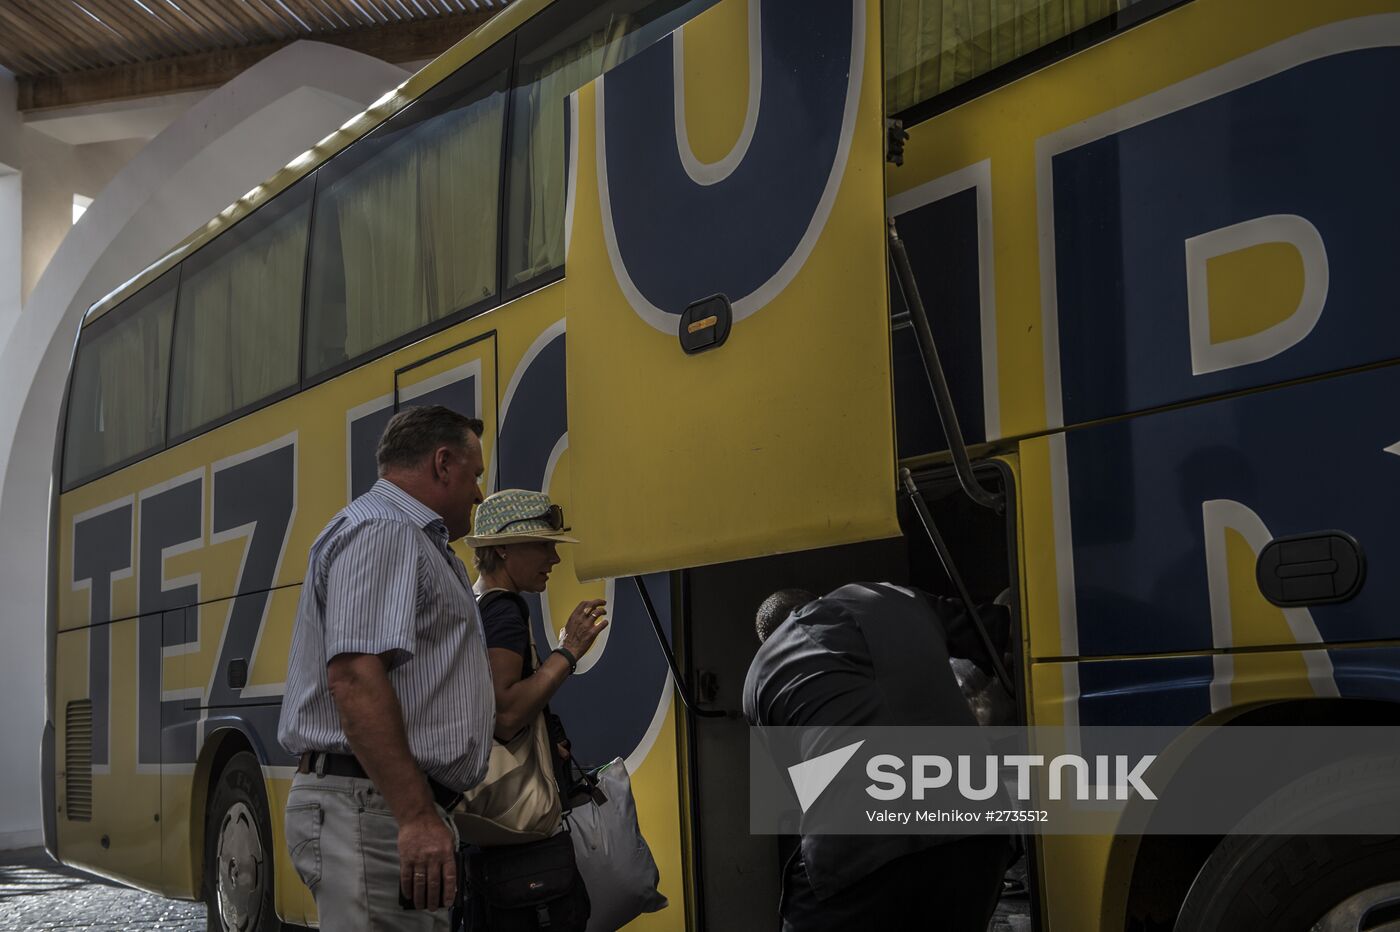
<point>613,857</point>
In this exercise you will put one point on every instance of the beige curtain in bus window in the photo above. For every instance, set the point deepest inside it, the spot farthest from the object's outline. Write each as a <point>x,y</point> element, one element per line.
<point>132,377</point>
<point>537,151</point>
<point>418,225</point>
<point>934,45</point>
<point>459,180</point>
<point>239,326</point>
<point>118,404</point>
<point>377,214</point>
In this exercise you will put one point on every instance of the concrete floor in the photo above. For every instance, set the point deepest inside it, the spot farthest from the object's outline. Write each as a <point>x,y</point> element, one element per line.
<point>37,895</point>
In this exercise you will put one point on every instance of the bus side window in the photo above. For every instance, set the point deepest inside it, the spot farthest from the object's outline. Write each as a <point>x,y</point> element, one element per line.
<point>116,412</point>
<point>559,52</point>
<point>238,326</point>
<point>406,219</point>
<point>932,46</point>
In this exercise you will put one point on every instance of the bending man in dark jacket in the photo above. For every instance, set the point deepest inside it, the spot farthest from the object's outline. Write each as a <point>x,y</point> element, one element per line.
<point>875,654</point>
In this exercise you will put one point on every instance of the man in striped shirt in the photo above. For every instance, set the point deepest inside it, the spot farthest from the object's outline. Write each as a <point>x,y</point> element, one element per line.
<point>389,700</point>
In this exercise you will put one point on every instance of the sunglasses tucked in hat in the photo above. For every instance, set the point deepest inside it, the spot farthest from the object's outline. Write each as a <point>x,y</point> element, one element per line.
<point>517,516</point>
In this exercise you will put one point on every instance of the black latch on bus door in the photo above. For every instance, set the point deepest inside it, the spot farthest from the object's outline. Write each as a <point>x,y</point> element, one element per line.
<point>705,324</point>
<point>1310,569</point>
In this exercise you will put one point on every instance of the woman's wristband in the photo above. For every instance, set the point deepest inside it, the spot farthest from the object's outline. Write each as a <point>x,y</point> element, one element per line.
<point>567,655</point>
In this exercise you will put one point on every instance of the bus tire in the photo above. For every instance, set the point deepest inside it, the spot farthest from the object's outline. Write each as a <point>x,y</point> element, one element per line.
<point>1280,872</point>
<point>238,857</point>
<point>1284,883</point>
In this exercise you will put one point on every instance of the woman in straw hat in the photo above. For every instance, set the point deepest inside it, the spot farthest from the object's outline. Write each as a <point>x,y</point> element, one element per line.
<point>515,535</point>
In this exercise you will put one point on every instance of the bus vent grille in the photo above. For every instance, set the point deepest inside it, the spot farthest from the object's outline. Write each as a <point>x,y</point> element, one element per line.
<point>77,770</point>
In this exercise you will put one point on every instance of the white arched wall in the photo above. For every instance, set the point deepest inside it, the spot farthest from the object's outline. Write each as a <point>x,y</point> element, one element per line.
<point>10,239</point>
<point>232,140</point>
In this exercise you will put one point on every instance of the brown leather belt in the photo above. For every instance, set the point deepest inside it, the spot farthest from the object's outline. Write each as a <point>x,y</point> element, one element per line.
<point>345,765</point>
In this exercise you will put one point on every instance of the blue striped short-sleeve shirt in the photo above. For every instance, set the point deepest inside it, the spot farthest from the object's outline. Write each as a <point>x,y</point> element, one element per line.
<point>381,579</point>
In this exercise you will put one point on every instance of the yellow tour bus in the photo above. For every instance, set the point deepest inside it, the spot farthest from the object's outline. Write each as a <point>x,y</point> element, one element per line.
<point>1149,239</point>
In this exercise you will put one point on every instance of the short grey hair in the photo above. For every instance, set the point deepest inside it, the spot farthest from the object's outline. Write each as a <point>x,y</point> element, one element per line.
<point>414,433</point>
<point>486,558</point>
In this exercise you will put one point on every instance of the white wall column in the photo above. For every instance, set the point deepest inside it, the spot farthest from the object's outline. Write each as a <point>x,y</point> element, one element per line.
<point>11,248</point>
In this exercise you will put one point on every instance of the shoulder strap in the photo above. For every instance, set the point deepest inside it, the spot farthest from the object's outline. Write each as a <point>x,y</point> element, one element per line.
<point>532,657</point>
<point>495,595</point>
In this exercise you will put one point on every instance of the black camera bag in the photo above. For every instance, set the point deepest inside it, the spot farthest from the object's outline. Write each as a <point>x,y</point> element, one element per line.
<point>524,888</point>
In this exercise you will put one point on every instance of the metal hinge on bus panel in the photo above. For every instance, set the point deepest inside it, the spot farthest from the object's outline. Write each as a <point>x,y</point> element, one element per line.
<point>895,138</point>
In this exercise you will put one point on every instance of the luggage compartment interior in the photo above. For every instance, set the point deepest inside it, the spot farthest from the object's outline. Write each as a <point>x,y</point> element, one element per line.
<point>739,874</point>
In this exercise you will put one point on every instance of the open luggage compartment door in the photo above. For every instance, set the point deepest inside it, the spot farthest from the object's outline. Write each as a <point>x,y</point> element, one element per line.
<point>729,387</point>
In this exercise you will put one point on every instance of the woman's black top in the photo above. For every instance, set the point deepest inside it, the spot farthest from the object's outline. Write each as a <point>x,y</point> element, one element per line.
<point>505,620</point>
<point>506,624</point>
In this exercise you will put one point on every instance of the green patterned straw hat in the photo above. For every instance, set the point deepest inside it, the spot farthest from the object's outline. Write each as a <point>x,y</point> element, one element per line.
<point>517,516</point>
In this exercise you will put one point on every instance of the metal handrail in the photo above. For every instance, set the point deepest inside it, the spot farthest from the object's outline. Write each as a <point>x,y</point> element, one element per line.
<point>681,688</point>
<point>946,557</point>
<point>933,370</point>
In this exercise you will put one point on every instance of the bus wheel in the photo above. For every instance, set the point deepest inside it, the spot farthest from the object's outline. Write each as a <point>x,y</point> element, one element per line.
<point>1285,883</point>
<point>238,862</point>
<point>1289,875</point>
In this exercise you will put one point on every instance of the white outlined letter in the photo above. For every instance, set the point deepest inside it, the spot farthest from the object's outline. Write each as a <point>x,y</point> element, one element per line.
<point>1292,229</point>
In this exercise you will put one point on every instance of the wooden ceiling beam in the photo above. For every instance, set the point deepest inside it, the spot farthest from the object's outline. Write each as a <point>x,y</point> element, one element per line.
<point>400,8</point>
<point>17,58</point>
<point>49,28</point>
<point>313,16</point>
<point>358,12</point>
<point>380,11</point>
<point>334,13</point>
<point>99,29</point>
<point>20,58</point>
<point>137,24</point>
<point>79,32</point>
<point>272,18</point>
<point>41,43</point>
<point>167,27</point>
<point>239,19</point>
<point>413,40</point>
<point>215,29</point>
<point>287,14</point>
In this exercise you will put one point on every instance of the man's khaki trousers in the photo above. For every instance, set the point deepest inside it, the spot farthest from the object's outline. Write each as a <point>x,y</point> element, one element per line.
<point>344,843</point>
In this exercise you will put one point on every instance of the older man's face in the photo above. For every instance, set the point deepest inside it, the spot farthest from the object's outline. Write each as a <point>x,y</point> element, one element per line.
<point>464,487</point>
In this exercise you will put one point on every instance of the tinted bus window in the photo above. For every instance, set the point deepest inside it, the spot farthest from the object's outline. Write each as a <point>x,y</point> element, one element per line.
<point>116,412</point>
<point>407,218</point>
<point>238,328</point>
<point>932,46</point>
<point>559,52</point>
